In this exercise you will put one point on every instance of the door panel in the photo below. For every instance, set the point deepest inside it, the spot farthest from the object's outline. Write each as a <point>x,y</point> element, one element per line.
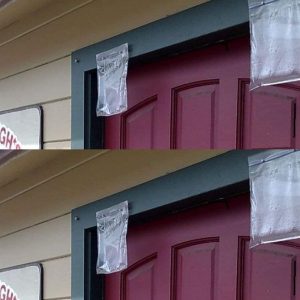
<point>269,116</point>
<point>193,115</point>
<point>202,101</point>
<point>140,275</point>
<point>180,257</point>
<point>138,125</point>
<point>269,271</point>
<point>196,99</point>
<point>195,267</point>
<point>202,254</point>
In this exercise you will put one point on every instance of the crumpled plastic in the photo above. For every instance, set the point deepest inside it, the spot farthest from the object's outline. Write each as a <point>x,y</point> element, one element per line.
<point>112,69</point>
<point>112,225</point>
<point>275,41</point>
<point>275,196</point>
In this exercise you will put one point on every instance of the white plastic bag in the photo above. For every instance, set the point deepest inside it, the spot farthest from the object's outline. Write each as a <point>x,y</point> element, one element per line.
<point>112,68</point>
<point>275,41</point>
<point>275,196</point>
<point>112,224</point>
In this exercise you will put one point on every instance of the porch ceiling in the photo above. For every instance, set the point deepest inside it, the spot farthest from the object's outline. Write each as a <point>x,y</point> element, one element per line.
<point>16,10</point>
<point>20,170</point>
<point>16,164</point>
<point>47,184</point>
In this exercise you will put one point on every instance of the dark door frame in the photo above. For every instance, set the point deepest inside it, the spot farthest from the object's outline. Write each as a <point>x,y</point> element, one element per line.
<point>206,24</point>
<point>215,179</point>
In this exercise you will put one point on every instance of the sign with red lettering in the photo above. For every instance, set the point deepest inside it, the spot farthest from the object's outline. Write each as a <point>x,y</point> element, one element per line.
<point>7,293</point>
<point>21,129</point>
<point>21,283</point>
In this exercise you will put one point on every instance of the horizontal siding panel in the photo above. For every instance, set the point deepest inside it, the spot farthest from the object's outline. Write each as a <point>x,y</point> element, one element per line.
<point>64,145</point>
<point>57,278</point>
<point>57,120</point>
<point>37,243</point>
<point>46,83</point>
<point>85,26</point>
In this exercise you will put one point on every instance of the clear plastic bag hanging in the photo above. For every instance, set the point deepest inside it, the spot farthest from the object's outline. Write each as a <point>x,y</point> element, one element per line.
<point>112,224</point>
<point>275,196</point>
<point>275,41</point>
<point>112,68</point>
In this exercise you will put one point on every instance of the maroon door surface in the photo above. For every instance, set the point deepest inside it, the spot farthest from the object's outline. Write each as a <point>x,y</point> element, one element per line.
<point>268,116</point>
<point>202,100</point>
<point>204,254</point>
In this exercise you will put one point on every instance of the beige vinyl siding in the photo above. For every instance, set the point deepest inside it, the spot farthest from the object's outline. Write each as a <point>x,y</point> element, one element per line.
<point>64,145</point>
<point>42,84</point>
<point>56,113</point>
<point>35,52</point>
<point>59,283</point>
<point>47,243</point>
<point>50,87</point>
<point>48,240</point>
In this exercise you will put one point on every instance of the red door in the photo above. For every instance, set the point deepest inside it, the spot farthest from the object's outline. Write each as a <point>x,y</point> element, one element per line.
<point>268,116</point>
<point>201,100</point>
<point>203,254</point>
